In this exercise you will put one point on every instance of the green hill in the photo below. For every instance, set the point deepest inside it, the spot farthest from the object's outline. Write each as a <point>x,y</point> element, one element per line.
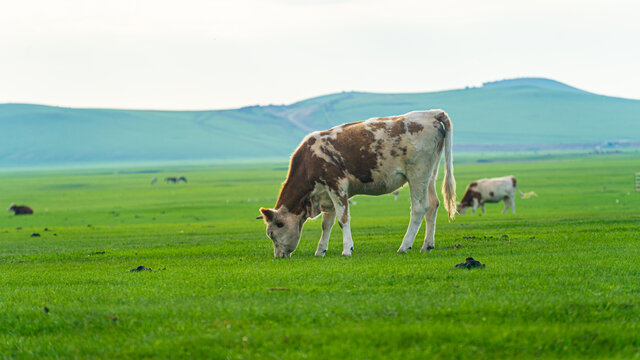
<point>526,113</point>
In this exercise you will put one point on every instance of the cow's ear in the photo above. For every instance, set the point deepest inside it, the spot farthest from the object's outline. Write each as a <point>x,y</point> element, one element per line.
<point>267,214</point>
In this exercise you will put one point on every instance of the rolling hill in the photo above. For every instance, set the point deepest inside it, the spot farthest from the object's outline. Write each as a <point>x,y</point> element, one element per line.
<point>525,113</point>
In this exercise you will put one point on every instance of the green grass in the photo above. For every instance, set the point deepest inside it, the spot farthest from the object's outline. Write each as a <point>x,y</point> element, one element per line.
<point>561,280</point>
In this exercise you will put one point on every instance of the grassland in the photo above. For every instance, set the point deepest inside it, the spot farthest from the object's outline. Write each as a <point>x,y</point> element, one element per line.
<point>562,278</point>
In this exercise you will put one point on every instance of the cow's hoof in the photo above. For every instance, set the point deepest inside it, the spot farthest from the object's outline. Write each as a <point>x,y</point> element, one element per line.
<point>346,253</point>
<point>427,249</point>
<point>321,253</point>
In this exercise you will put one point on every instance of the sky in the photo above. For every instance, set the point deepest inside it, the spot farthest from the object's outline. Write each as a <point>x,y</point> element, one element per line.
<point>192,54</point>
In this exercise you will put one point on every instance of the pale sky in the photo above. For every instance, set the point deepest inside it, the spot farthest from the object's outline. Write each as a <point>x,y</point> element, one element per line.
<point>197,54</point>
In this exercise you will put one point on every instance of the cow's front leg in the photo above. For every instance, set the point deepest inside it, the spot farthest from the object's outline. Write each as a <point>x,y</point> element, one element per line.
<point>419,207</point>
<point>482,207</point>
<point>341,206</point>
<point>475,206</point>
<point>328,219</point>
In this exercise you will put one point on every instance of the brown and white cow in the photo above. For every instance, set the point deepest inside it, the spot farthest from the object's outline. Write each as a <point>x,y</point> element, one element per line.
<point>20,209</point>
<point>373,157</point>
<point>491,190</point>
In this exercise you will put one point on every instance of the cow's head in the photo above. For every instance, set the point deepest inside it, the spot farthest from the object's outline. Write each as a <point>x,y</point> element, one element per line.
<point>283,228</point>
<point>462,208</point>
<point>11,207</point>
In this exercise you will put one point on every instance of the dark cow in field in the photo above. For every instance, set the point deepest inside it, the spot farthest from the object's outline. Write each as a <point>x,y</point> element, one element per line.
<point>20,209</point>
<point>372,157</point>
<point>175,180</point>
<point>491,190</point>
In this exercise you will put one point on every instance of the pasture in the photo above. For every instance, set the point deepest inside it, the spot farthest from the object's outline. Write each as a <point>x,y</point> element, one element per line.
<point>562,275</point>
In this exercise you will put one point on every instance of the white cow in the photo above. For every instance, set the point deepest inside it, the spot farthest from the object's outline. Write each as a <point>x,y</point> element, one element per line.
<point>373,157</point>
<point>491,190</point>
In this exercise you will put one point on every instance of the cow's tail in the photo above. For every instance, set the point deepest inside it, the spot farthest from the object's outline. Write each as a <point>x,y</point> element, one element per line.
<point>449,183</point>
<point>526,195</point>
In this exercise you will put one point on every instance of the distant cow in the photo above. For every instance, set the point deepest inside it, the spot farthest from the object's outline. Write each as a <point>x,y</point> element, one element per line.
<point>372,157</point>
<point>491,191</point>
<point>20,209</point>
<point>171,179</point>
<point>182,178</point>
<point>154,180</point>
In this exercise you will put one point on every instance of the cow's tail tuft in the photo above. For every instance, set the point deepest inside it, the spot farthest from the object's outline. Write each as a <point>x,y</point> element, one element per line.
<point>526,195</point>
<point>449,182</point>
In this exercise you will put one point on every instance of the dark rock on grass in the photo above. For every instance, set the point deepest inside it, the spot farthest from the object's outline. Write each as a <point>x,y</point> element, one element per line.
<point>470,263</point>
<point>35,235</point>
<point>46,310</point>
<point>140,268</point>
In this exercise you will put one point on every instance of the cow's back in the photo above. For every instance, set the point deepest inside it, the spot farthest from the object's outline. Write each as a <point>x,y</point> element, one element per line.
<point>374,155</point>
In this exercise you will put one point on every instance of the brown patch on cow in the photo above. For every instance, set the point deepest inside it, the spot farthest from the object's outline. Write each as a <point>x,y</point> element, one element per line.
<point>344,126</point>
<point>513,181</point>
<point>300,181</point>
<point>311,141</point>
<point>398,128</point>
<point>473,184</point>
<point>469,195</point>
<point>444,119</point>
<point>393,153</point>
<point>377,125</point>
<point>354,144</point>
<point>414,127</point>
<point>491,193</point>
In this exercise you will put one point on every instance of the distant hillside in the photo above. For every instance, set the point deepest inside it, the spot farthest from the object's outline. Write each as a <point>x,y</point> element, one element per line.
<point>526,113</point>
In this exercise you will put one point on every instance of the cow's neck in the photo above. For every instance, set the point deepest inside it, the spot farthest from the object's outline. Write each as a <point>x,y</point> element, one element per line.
<point>297,188</point>
<point>294,196</point>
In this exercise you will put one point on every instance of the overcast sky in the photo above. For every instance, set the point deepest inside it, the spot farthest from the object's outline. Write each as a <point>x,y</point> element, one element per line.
<point>222,54</point>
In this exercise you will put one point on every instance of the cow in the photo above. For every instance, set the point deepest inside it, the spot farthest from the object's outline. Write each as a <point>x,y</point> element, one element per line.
<point>371,157</point>
<point>154,180</point>
<point>171,179</point>
<point>491,190</point>
<point>182,178</point>
<point>20,209</point>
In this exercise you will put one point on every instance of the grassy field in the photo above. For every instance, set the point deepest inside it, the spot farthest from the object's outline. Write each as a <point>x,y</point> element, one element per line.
<point>562,276</point>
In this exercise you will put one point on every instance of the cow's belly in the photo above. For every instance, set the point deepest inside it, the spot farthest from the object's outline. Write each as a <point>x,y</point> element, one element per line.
<point>380,186</point>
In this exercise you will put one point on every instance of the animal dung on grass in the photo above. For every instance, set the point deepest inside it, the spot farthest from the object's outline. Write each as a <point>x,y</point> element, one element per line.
<point>20,209</point>
<point>140,268</point>
<point>470,263</point>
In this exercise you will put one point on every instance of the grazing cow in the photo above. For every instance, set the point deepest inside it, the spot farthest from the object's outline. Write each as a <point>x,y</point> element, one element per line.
<point>372,157</point>
<point>154,180</point>
<point>182,178</point>
<point>20,209</point>
<point>171,179</point>
<point>491,191</point>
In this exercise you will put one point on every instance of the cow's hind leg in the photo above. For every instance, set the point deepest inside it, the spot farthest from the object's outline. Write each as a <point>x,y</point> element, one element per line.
<point>328,219</point>
<point>419,207</point>
<point>513,204</point>
<point>506,205</point>
<point>430,217</point>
